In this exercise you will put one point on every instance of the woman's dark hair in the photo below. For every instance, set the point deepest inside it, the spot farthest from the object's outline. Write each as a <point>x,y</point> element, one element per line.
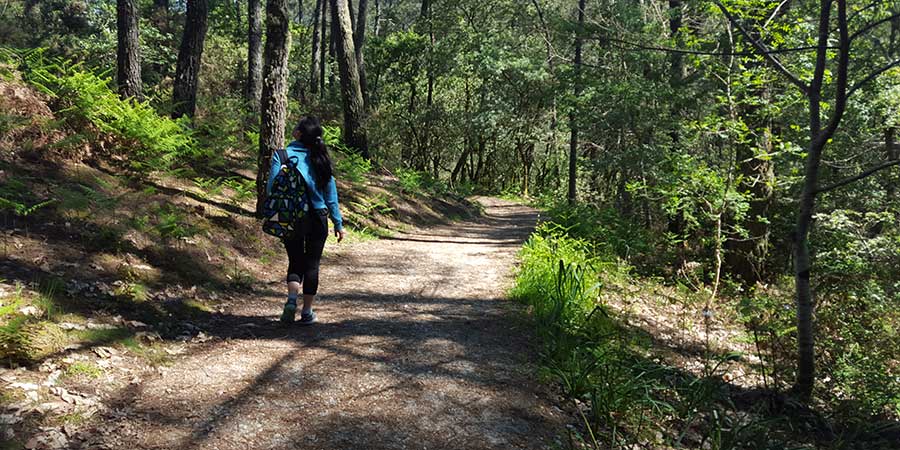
<point>310,130</point>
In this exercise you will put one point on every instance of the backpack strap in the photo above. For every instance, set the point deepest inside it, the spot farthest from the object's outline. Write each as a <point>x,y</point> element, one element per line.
<point>283,156</point>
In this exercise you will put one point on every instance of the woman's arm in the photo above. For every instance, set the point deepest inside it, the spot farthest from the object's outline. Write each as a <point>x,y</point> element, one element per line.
<point>334,209</point>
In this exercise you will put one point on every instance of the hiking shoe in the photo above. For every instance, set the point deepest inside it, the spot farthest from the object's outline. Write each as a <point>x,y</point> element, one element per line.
<point>307,318</point>
<point>289,312</point>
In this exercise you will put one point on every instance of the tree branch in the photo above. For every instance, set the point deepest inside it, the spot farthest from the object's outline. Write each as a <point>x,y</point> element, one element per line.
<point>872,76</point>
<point>640,46</point>
<point>858,177</point>
<point>872,25</point>
<point>843,68</point>
<point>763,50</point>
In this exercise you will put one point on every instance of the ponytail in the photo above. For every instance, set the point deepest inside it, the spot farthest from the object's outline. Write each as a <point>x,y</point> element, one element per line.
<point>310,130</point>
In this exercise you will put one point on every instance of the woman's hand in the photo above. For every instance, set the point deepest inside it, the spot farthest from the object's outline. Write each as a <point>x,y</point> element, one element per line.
<point>339,234</point>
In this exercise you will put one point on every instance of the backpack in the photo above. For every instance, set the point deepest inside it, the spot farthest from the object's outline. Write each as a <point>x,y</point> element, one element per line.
<point>286,202</point>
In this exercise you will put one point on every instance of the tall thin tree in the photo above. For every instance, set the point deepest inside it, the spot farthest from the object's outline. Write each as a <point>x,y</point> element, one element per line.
<point>323,48</point>
<point>359,42</point>
<point>573,115</point>
<point>274,92</point>
<point>821,131</point>
<point>128,58</point>
<point>351,93</point>
<point>187,70</point>
<point>314,61</point>
<point>254,53</point>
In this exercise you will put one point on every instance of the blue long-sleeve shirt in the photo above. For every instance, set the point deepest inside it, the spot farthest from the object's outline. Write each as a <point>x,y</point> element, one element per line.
<point>318,199</point>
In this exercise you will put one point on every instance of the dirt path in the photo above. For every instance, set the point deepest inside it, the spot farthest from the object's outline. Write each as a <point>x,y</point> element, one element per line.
<point>415,349</point>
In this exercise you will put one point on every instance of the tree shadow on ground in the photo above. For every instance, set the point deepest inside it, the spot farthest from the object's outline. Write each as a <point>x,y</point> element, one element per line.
<point>483,362</point>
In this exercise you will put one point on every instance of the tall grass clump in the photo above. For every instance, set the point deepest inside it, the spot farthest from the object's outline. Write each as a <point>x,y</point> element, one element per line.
<point>583,349</point>
<point>558,277</point>
<point>622,396</point>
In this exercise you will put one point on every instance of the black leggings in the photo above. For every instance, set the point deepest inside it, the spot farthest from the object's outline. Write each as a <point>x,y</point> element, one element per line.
<point>305,251</point>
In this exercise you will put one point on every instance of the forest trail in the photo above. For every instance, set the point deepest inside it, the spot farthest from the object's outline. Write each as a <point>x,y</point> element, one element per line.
<point>415,349</point>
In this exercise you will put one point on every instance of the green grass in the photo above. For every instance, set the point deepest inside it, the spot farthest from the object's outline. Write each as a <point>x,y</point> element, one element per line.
<point>73,418</point>
<point>630,397</point>
<point>84,369</point>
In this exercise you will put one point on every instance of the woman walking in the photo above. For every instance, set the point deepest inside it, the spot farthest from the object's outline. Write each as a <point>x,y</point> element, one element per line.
<point>305,247</point>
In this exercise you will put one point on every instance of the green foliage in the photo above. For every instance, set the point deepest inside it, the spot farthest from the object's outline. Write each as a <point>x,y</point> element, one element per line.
<point>609,233</point>
<point>416,182</point>
<point>17,198</point>
<point>857,313</point>
<point>154,141</point>
<point>243,189</point>
<point>409,181</point>
<point>209,187</point>
<point>173,224</point>
<point>369,205</point>
<point>353,167</point>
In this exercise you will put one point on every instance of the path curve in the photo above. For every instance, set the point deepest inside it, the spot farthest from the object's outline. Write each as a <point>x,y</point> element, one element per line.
<point>416,349</point>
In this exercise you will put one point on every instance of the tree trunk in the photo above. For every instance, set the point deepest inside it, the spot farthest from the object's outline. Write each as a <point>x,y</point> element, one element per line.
<point>300,11</point>
<point>359,42</point>
<point>254,54</point>
<point>128,59</point>
<point>746,258</point>
<point>274,92</point>
<point>332,46</point>
<point>323,51</point>
<point>819,137</point>
<point>160,15</point>
<point>187,70</point>
<point>891,150</point>
<point>377,18</point>
<point>573,121</point>
<point>351,92</point>
<point>314,66</point>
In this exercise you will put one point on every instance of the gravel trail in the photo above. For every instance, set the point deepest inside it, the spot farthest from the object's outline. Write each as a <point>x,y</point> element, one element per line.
<point>416,348</point>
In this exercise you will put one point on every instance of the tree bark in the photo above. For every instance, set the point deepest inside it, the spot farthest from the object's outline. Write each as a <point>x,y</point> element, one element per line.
<point>359,42</point>
<point>274,92</point>
<point>187,70</point>
<point>323,51</point>
<point>377,18</point>
<point>891,151</point>
<point>160,14</point>
<point>254,54</point>
<point>746,258</point>
<point>573,120</point>
<point>314,66</point>
<point>128,59</point>
<point>332,46</point>
<point>351,92</point>
<point>819,137</point>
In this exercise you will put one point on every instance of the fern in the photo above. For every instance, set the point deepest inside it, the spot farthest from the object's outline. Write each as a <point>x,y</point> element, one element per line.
<point>154,141</point>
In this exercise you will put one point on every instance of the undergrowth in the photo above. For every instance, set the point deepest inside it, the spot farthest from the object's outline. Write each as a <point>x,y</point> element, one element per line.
<point>621,392</point>
<point>84,97</point>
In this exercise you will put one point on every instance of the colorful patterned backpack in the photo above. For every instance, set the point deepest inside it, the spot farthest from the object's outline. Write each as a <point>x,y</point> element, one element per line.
<point>286,203</point>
